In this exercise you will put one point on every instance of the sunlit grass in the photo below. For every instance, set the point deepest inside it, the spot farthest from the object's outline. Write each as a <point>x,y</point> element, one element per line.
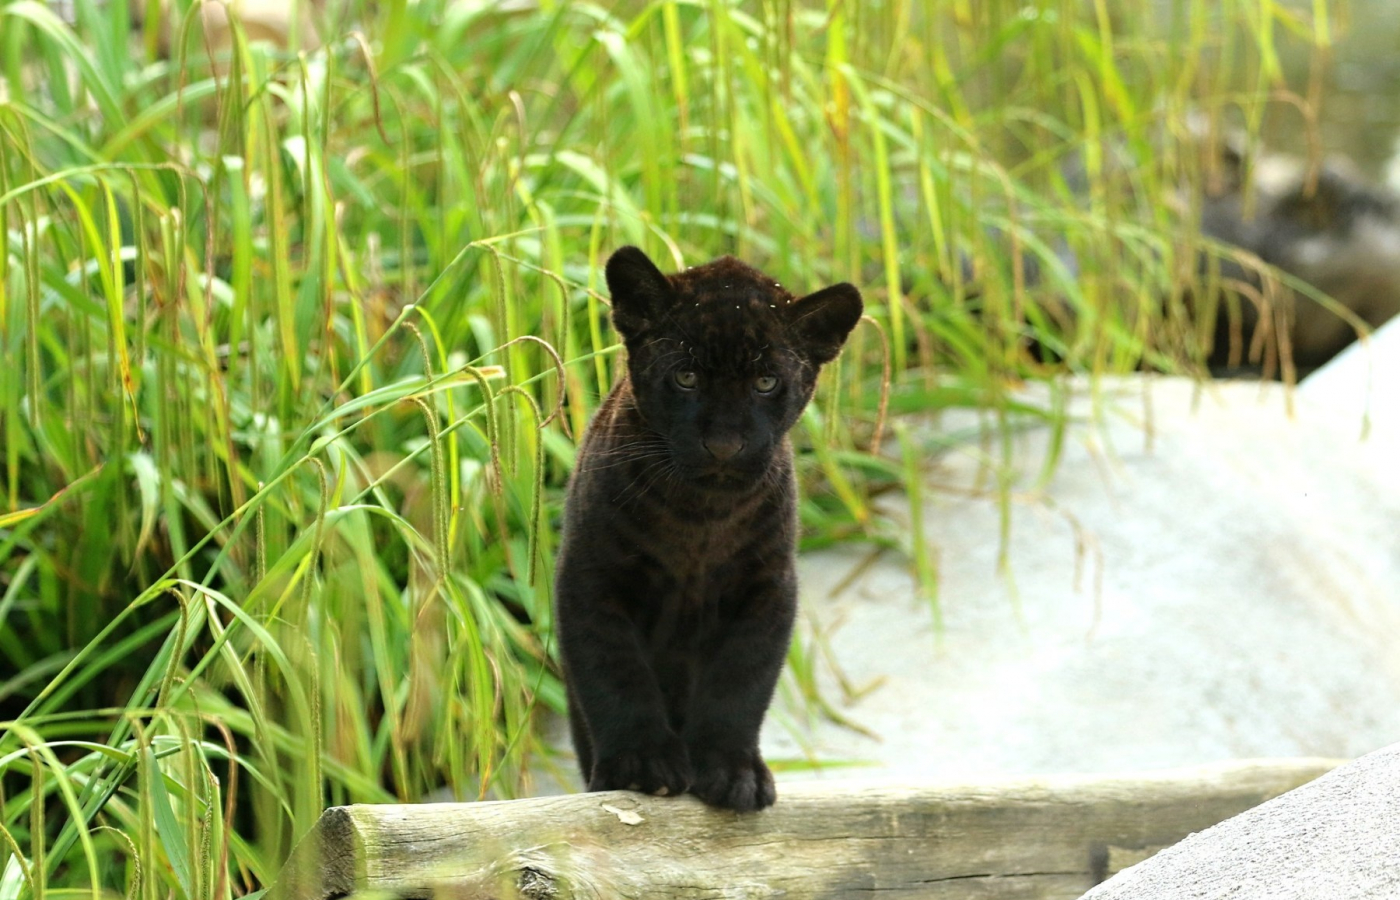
<point>296,348</point>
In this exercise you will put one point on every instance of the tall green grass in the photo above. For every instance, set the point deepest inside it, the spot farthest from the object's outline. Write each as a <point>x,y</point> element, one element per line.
<point>296,348</point>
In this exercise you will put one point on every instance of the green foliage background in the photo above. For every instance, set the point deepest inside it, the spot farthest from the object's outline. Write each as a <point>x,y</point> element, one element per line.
<point>295,349</point>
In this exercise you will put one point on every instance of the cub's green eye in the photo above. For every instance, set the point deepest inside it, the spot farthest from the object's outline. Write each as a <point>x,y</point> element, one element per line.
<point>687,379</point>
<point>766,384</point>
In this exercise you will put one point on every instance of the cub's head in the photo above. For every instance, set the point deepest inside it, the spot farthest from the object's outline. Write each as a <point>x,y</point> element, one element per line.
<point>722,359</point>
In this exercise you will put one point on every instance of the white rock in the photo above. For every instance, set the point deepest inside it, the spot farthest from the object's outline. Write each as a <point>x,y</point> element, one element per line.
<point>1222,584</point>
<point>1363,379</point>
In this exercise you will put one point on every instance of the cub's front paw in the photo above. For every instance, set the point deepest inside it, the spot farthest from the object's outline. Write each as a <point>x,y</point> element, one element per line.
<point>733,779</point>
<point>661,768</point>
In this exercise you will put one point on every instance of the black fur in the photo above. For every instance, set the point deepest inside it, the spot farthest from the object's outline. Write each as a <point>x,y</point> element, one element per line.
<point>675,590</point>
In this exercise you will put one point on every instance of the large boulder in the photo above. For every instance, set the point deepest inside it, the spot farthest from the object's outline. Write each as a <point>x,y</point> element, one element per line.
<point>1330,228</point>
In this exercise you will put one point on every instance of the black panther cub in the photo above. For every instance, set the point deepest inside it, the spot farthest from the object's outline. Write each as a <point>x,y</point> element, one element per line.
<point>675,589</point>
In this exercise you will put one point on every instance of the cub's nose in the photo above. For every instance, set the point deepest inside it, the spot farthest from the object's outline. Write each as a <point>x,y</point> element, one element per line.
<point>724,449</point>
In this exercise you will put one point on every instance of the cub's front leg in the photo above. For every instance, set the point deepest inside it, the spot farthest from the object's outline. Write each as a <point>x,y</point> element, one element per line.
<point>617,712</point>
<point>733,692</point>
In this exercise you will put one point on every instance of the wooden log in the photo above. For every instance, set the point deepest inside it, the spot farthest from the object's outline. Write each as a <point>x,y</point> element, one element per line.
<point>1028,838</point>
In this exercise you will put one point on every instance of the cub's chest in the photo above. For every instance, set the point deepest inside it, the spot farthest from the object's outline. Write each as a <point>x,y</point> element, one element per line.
<point>687,553</point>
<point>693,563</point>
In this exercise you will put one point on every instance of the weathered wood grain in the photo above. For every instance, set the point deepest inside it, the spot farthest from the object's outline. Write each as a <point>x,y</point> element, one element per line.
<point>1026,838</point>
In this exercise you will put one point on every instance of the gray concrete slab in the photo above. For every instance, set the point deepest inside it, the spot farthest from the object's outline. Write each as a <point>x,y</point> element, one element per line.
<point>1336,838</point>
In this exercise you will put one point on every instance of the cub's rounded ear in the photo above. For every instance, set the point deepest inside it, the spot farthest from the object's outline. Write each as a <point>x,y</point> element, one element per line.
<point>822,320</point>
<point>640,292</point>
